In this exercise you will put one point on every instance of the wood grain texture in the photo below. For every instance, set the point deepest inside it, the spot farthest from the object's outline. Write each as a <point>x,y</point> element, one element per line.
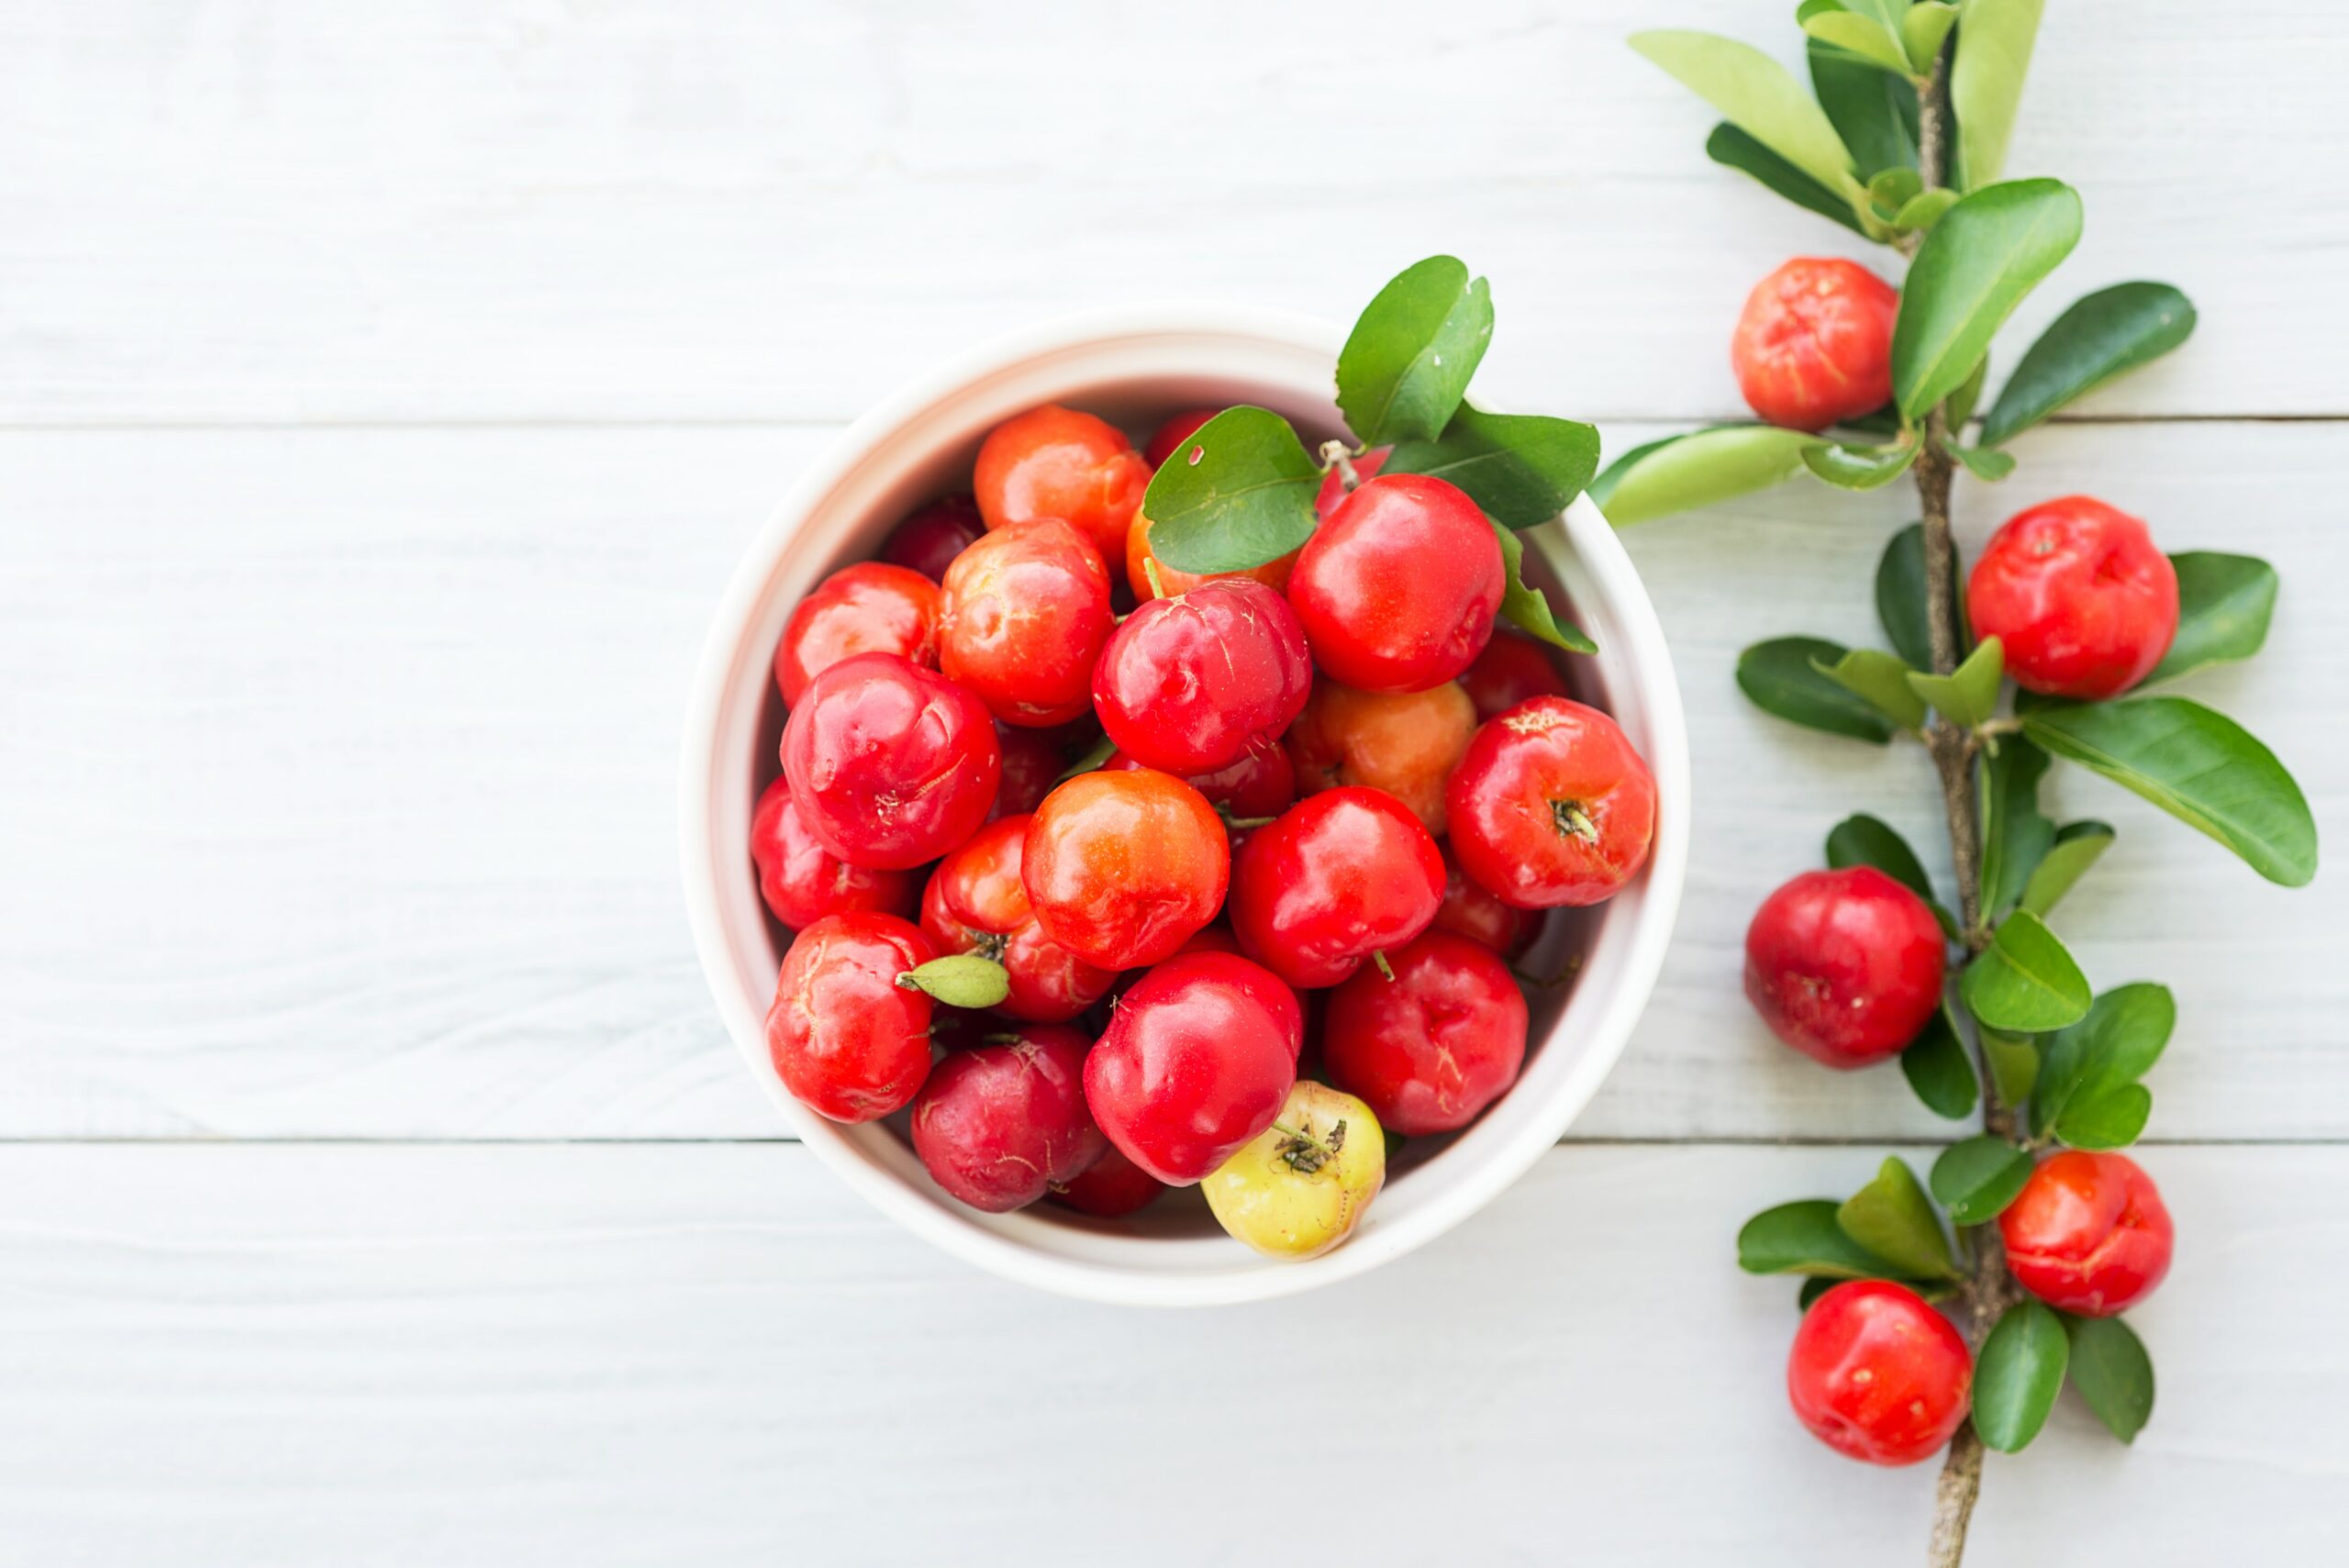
<point>526,209</point>
<point>716,1355</point>
<point>336,785</point>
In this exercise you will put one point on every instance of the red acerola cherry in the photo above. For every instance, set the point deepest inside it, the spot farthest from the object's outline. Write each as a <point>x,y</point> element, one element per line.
<point>1878,1375</point>
<point>1333,489</point>
<point>1511,669</point>
<point>890,764</point>
<point>1033,761</point>
<point>2089,1233</point>
<point>976,903</point>
<point>1552,805</point>
<point>1406,743</point>
<point>1398,589</point>
<point>1260,783</point>
<point>1470,910</point>
<point>849,1041</point>
<point>1110,1188</point>
<point>1845,966</point>
<point>1001,1125</point>
<point>1122,867</point>
<point>2082,601</point>
<point>1342,875</point>
<point>1056,462</point>
<point>1196,1061</point>
<point>929,540</point>
<point>866,608</point>
<point>1191,683</point>
<point>1022,619</point>
<point>1177,429</point>
<point>1429,1049</point>
<point>802,881</point>
<point>1814,345</point>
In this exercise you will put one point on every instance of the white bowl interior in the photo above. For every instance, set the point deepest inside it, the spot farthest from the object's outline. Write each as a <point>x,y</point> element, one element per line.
<point>1133,370</point>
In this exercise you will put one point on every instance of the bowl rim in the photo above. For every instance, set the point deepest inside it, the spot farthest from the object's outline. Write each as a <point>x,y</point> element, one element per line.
<point>1648,673</point>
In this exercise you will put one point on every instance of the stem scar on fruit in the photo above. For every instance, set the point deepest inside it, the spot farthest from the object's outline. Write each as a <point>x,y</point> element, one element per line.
<point>1307,1154</point>
<point>1572,821</point>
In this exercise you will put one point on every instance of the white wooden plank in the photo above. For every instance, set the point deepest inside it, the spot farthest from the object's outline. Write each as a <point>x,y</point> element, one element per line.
<point>715,1354</point>
<point>522,209</point>
<point>336,785</point>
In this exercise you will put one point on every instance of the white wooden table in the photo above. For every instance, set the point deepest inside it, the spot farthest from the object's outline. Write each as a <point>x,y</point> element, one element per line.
<point>385,392</point>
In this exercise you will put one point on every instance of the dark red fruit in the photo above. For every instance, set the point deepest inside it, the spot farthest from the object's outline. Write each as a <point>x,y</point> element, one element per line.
<point>1192,683</point>
<point>848,1040</point>
<point>1122,867</point>
<point>1024,614</point>
<point>999,1126</point>
<point>1813,347</point>
<point>930,540</point>
<point>802,881</point>
<point>1471,910</point>
<point>1033,762</point>
<point>1110,1188</point>
<point>1398,589</point>
<point>1552,805</point>
<point>2083,602</point>
<point>1429,1049</point>
<point>1878,1375</point>
<point>1177,429</point>
<point>1342,875</point>
<point>975,902</point>
<point>1512,669</point>
<point>1845,966</point>
<point>890,764</point>
<point>2089,1233</point>
<point>866,608</point>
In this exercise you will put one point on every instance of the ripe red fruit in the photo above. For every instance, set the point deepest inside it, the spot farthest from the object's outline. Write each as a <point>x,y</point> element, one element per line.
<point>975,902</point>
<point>1260,783</point>
<point>1121,867</point>
<point>1814,345</point>
<point>848,1040</point>
<point>1110,1188</point>
<point>890,764</point>
<point>1191,683</point>
<point>1056,462</point>
<point>1878,1375</point>
<point>1429,1049</point>
<point>1196,1061</point>
<point>1333,490</point>
<point>1142,562</point>
<point>1177,429</point>
<point>1342,875</point>
<point>1001,1125</point>
<point>1033,761</point>
<point>869,607</point>
<point>1512,669</point>
<point>1470,910</point>
<point>2082,601</point>
<point>1552,805</point>
<point>1845,966</point>
<point>1406,743</point>
<point>1398,589</point>
<point>802,881</point>
<point>929,540</point>
<point>1023,617</point>
<point>2089,1233</point>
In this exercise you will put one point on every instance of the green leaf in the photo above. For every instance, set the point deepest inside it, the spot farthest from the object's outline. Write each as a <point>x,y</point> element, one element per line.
<point>1862,36</point>
<point>2124,1033</point>
<point>1882,681</point>
<point>1938,1069</point>
<point>1977,1179</point>
<point>2016,835</point>
<point>1958,406</point>
<point>2077,847</point>
<point>1859,468</point>
<point>1863,841</point>
<point>2223,606</point>
<point>1240,494</point>
<point>1922,30</point>
<point>1980,260</point>
<point>1892,189</point>
<point>1524,608</point>
<point>1805,1238</point>
<point>960,980</point>
<point>2112,1372</point>
<point>1925,209</point>
<point>1900,596</point>
<point>2013,1061</point>
<point>1407,363</point>
<point>1968,695</point>
<point>1782,677</point>
<point>2200,766</point>
<point>1986,82</point>
<point>1522,469</point>
<point>2025,982</point>
<point>2019,1375</point>
<point>1697,470</point>
<point>1734,148</point>
<point>1893,1219</point>
<point>2098,337</point>
<point>1872,111</point>
<point>1753,91</point>
<point>1983,463</point>
<point>2111,1120</point>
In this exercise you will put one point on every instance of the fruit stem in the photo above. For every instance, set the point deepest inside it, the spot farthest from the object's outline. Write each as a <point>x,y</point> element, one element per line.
<point>1305,1153</point>
<point>1572,821</point>
<point>1334,454</point>
<point>1150,569</point>
<point>1378,957</point>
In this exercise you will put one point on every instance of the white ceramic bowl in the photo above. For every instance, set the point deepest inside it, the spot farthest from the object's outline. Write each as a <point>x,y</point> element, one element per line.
<point>1133,366</point>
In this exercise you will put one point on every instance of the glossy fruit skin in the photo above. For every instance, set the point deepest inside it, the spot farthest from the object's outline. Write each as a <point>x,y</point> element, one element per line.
<point>1033,762</point>
<point>998,1125</point>
<point>1406,743</point>
<point>932,536</point>
<point>1398,590</point>
<point>1195,1061</point>
<point>1057,462</point>
<point>802,881</point>
<point>1512,669</point>
<point>1172,432</point>
<point>1814,344</point>
<point>1334,491</point>
<point>1513,801</point>
<point>1846,966</point>
<point>975,902</point>
<point>870,608</point>
<point>1193,683</point>
<point>1470,910</point>
<point>848,1040</point>
<point>1341,874</point>
<point>1122,867</point>
<point>1431,1048</point>
<point>890,764</point>
<point>2089,1233</point>
<point>1141,560</point>
<point>1260,783</point>
<point>2082,601</point>
<point>1023,616</point>
<point>1286,1197</point>
<point>1110,1188</point>
<point>1877,1374</point>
